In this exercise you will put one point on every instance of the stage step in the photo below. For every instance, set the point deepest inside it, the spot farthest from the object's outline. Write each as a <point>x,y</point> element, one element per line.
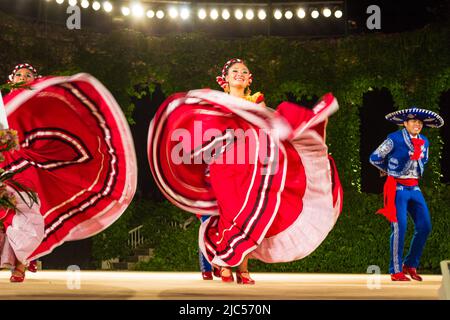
<point>129,263</point>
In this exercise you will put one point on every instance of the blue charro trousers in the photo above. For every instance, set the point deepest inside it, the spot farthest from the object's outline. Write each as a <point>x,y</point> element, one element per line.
<point>409,199</point>
<point>204,264</point>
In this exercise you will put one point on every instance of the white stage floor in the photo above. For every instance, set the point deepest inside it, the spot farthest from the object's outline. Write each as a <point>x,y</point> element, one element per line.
<point>98,285</point>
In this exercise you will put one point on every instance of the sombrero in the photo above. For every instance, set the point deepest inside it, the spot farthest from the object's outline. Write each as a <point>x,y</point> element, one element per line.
<point>429,118</point>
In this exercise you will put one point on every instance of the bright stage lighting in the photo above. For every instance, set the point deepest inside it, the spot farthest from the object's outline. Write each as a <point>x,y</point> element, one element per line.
<point>326,12</point>
<point>225,14</point>
<point>277,14</point>
<point>137,10</point>
<point>315,14</point>
<point>214,14</point>
<point>72,3</point>
<point>301,13</point>
<point>59,1</point>
<point>85,4</point>
<point>262,14</point>
<point>150,14</point>
<point>185,13</point>
<point>160,14</point>
<point>173,13</point>
<point>107,6</point>
<point>338,14</point>
<point>125,11</point>
<point>202,14</point>
<point>288,14</point>
<point>96,5</point>
<point>249,14</point>
<point>238,14</point>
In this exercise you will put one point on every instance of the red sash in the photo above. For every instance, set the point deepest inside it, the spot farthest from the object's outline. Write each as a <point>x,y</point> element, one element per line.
<point>390,188</point>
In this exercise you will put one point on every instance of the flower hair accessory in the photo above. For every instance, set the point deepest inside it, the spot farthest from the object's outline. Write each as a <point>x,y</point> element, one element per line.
<point>221,79</point>
<point>23,66</point>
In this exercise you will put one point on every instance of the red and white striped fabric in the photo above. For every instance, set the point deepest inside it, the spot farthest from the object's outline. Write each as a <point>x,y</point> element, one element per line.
<point>265,177</point>
<point>76,152</point>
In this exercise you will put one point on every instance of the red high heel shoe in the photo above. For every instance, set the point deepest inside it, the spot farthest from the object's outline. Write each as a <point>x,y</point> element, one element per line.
<point>399,276</point>
<point>17,278</point>
<point>207,275</point>
<point>229,278</point>
<point>32,267</point>
<point>412,272</point>
<point>216,272</point>
<point>244,280</point>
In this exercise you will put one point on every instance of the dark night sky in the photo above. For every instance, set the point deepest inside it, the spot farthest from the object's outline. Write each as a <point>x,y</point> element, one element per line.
<point>396,16</point>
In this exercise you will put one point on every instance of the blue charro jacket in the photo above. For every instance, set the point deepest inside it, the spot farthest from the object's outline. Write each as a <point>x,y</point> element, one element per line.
<point>393,156</point>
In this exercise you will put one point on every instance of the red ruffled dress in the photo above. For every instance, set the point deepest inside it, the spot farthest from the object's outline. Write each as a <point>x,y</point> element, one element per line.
<point>264,176</point>
<point>77,154</point>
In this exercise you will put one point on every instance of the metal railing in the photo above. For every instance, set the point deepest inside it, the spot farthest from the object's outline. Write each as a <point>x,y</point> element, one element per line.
<point>135,239</point>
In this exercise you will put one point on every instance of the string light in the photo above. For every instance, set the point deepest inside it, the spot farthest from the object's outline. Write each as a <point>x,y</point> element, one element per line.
<point>226,14</point>
<point>249,14</point>
<point>214,14</point>
<point>160,14</point>
<point>201,14</point>
<point>96,5</point>
<point>301,13</point>
<point>137,10</point>
<point>214,11</point>
<point>262,14</point>
<point>326,12</point>
<point>238,14</point>
<point>184,13</point>
<point>288,14</point>
<point>85,4</point>
<point>107,6</point>
<point>173,12</point>
<point>277,14</point>
<point>125,11</point>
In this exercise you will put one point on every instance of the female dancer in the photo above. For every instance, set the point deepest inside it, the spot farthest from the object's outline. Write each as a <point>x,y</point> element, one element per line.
<point>24,74</point>
<point>264,177</point>
<point>76,153</point>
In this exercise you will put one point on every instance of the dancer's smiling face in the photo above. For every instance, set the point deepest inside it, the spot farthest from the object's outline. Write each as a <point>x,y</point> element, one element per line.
<point>23,75</point>
<point>414,126</point>
<point>238,76</point>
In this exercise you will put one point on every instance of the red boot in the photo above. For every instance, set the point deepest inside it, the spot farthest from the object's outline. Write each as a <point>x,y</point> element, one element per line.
<point>207,275</point>
<point>399,276</point>
<point>412,272</point>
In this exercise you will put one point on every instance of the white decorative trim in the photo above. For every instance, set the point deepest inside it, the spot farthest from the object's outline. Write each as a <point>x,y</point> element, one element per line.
<point>395,249</point>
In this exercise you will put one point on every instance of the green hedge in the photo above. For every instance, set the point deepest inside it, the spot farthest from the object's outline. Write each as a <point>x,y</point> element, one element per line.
<point>413,66</point>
